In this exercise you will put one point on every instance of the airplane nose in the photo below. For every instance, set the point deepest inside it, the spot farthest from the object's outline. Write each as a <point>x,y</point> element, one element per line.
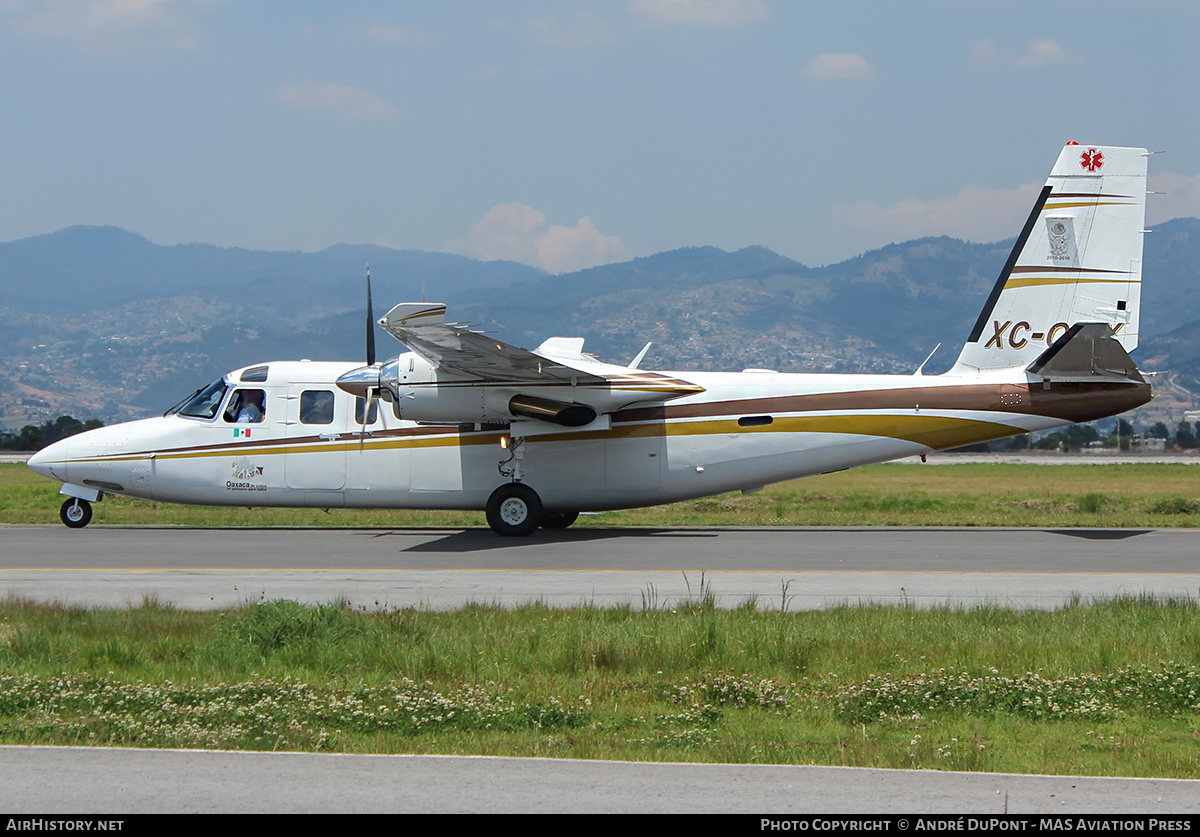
<point>44,460</point>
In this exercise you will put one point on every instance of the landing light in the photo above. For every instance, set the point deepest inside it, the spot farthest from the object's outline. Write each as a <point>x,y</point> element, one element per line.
<point>504,442</point>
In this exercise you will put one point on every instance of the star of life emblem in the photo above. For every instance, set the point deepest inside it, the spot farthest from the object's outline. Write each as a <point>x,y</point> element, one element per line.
<point>1091,160</point>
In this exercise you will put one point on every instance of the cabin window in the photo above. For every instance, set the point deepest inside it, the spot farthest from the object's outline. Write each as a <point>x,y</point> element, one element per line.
<point>755,421</point>
<point>247,406</point>
<point>316,406</point>
<point>206,402</point>
<point>360,407</point>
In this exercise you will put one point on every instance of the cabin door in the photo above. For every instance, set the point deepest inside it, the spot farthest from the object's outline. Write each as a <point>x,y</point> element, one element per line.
<point>317,438</point>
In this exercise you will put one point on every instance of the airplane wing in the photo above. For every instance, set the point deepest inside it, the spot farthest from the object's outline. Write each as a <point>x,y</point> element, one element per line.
<point>475,356</point>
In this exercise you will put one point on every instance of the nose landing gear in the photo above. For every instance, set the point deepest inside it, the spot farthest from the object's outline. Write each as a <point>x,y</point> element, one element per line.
<point>76,513</point>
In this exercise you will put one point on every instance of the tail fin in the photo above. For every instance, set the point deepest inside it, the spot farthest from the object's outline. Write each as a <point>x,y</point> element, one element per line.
<point>1077,260</point>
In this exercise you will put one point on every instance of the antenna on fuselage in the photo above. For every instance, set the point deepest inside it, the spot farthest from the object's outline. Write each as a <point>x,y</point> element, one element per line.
<point>633,364</point>
<point>926,360</point>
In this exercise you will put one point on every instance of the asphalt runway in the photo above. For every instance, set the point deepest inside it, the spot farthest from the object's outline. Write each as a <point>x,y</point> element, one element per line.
<point>800,568</point>
<point>70,780</point>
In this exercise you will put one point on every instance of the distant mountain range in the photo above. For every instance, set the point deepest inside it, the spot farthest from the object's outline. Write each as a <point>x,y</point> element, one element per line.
<point>99,322</point>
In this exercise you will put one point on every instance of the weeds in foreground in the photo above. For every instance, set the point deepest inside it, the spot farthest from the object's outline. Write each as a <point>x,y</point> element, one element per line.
<point>1109,688</point>
<point>257,714</point>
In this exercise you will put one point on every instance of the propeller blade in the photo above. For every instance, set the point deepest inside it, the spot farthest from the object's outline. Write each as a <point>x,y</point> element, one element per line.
<point>366,417</point>
<point>370,323</point>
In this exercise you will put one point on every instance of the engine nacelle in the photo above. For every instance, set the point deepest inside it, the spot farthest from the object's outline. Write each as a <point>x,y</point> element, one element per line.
<point>546,409</point>
<point>419,395</point>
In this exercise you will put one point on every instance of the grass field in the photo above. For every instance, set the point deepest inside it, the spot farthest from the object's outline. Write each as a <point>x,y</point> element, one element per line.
<point>1094,689</point>
<point>878,495</point>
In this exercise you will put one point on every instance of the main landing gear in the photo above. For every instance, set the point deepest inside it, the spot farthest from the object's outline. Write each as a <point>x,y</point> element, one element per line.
<point>558,520</point>
<point>515,510</point>
<point>76,513</point>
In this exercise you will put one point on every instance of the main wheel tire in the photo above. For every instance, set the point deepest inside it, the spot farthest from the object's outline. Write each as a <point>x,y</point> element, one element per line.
<point>558,520</point>
<point>514,510</point>
<point>76,513</point>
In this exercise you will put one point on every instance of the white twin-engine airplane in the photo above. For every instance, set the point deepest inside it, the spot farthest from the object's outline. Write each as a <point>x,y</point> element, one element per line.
<point>535,437</point>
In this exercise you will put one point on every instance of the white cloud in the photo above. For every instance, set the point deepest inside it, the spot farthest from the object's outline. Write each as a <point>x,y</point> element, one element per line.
<point>345,101</point>
<point>581,29</point>
<point>1180,198</point>
<point>700,12</point>
<point>975,214</point>
<point>513,231</point>
<point>838,66</point>
<point>1041,53</point>
<point>390,33</point>
<point>979,214</point>
<point>111,26</point>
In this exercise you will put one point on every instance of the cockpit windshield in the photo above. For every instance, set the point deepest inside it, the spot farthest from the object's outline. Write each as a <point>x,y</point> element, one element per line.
<point>206,402</point>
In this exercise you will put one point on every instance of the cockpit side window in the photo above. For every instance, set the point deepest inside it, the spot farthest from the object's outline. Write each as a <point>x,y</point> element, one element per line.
<point>206,402</point>
<point>247,406</point>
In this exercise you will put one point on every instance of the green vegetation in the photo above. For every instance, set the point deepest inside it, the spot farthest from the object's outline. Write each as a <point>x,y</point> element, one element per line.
<point>1110,688</point>
<point>1149,496</point>
<point>36,437</point>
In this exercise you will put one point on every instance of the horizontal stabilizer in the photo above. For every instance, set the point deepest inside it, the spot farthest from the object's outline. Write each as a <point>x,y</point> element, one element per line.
<point>1087,352</point>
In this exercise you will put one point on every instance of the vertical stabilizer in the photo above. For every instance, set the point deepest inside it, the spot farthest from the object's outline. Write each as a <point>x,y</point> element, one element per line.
<point>1077,260</point>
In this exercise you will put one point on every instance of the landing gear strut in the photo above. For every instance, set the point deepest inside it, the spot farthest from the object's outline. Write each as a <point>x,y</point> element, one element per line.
<point>514,510</point>
<point>76,513</point>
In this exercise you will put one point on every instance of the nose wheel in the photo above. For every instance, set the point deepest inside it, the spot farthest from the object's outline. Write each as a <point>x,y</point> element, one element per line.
<point>76,513</point>
<point>514,510</point>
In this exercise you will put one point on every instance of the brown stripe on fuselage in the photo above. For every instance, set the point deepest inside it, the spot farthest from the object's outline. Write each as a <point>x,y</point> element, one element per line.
<point>1089,194</point>
<point>1047,269</point>
<point>266,446</point>
<point>1071,402</point>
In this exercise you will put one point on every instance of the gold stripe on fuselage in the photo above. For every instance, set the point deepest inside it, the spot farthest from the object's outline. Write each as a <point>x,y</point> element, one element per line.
<point>1034,281</point>
<point>929,429</point>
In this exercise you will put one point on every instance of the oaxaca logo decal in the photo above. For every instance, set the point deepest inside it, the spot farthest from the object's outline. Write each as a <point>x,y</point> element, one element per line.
<point>245,477</point>
<point>1091,160</point>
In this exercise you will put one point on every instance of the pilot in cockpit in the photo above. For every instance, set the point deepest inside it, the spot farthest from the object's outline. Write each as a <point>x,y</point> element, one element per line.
<point>248,406</point>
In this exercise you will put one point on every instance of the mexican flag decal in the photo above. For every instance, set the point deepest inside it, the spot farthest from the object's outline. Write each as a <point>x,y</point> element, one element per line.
<point>241,432</point>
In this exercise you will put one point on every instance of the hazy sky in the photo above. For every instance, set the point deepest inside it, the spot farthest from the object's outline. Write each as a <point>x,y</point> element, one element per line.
<point>569,134</point>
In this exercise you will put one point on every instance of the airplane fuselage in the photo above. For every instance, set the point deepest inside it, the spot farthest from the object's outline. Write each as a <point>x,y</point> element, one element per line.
<point>743,431</point>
